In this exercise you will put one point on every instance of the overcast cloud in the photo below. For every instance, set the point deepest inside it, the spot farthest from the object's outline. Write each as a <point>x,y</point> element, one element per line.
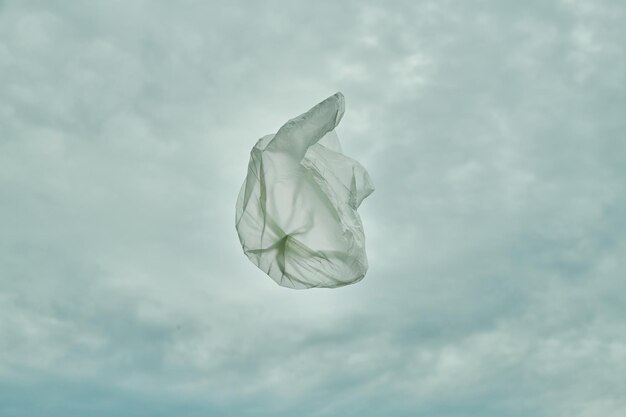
<point>494,132</point>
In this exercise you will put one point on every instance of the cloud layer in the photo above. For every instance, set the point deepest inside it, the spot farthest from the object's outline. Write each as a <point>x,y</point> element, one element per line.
<point>492,130</point>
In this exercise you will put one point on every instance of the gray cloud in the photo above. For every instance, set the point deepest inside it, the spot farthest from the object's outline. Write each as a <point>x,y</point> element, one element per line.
<point>492,132</point>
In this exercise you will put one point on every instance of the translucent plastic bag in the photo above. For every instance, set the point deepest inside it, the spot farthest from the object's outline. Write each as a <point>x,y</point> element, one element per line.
<point>296,214</point>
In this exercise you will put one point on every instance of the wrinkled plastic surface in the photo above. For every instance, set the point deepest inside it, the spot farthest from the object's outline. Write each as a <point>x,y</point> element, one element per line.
<point>296,214</point>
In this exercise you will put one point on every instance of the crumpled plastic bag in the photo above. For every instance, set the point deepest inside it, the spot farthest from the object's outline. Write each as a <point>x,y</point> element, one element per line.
<point>296,214</point>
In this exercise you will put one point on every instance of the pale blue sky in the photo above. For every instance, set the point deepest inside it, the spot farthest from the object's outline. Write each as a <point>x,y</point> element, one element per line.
<point>493,131</point>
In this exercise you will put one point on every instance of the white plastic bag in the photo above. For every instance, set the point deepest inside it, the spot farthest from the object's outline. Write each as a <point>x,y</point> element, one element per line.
<point>296,214</point>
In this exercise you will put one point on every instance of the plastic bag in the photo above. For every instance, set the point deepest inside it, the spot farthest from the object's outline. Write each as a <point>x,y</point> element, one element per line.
<point>296,214</point>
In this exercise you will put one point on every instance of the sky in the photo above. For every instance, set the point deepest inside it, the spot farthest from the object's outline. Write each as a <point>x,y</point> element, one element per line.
<point>493,131</point>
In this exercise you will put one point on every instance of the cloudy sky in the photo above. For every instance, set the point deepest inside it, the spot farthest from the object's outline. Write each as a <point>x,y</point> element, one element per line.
<point>493,130</point>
